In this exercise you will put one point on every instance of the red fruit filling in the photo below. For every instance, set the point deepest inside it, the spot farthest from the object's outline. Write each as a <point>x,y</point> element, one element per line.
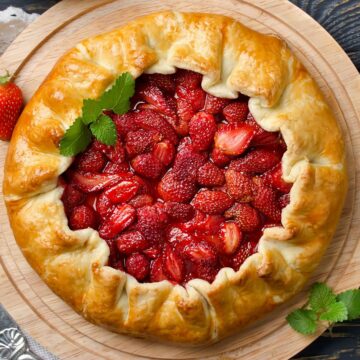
<point>188,188</point>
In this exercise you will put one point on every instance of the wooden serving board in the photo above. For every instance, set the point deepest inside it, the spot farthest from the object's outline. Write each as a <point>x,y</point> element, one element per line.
<point>47,318</point>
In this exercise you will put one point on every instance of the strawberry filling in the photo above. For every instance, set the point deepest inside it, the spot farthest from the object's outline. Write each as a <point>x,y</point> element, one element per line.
<point>188,188</point>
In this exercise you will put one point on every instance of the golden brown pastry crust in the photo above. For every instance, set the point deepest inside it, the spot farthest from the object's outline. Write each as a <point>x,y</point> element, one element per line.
<point>232,59</point>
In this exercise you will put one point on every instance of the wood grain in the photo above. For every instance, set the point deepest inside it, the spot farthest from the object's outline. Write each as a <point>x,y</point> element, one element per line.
<point>46,317</point>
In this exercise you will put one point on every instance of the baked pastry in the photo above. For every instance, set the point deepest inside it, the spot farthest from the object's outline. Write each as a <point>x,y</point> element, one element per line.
<point>223,269</point>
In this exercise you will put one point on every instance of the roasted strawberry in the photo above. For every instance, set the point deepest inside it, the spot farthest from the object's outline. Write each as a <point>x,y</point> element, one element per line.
<point>95,182</point>
<point>156,270</point>
<point>164,151</point>
<point>246,217</point>
<point>173,265</point>
<point>91,160</point>
<point>125,123</point>
<point>72,197</point>
<point>197,251</point>
<point>246,249</point>
<point>141,141</point>
<point>188,79</point>
<point>202,128</point>
<point>210,175</point>
<point>151,120</point>
<point>138,266</point>
<point>273,177</point>
<point>154,96</point>
<point>256,161</point>
<point>230,237</point>
<point>284,200</point>
<point>123,191</point>
<point>147,165</point>
<point>219,158</point>
<point>150,223</point>
<point>115,168</point>
<point>236,112</point>
<point>163,82</point>
<point>265,200</point>
<point>214,105</point>
<point>121,217</point>
<point>104,206</point>
<point>261,137</point>
<point>212,202</point>
<point>141,200</point>
<point>131,241</point>
<point>233,139</point>
<point>239,185</point>
<point>82,217</point>
<point>179,211</point>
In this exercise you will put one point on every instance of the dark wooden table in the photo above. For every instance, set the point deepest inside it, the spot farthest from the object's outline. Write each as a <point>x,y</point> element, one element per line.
<point>341,18</point>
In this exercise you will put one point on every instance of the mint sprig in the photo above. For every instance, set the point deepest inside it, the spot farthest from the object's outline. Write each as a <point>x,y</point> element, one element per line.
<point>93,122</point>
<point>324,305</point>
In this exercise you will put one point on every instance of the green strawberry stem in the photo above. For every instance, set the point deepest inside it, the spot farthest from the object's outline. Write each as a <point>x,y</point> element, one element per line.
<point>4,79</point>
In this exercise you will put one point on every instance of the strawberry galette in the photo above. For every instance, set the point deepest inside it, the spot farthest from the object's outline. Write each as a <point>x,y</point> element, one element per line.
<point>215,203</point>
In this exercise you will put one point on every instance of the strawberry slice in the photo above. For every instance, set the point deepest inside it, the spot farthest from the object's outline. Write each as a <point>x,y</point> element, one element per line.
<point>197,251</point>
<point>138,266</point>
<point>115,168</point>
<point>246,217</point>
<point>210,175</point>
<point>156,270</point>
<point>94,182</point>
<point>214,105</point>
<point>273,177</point>
<point>152,252</point>
<point>212,202</point>
<point>131,241</point>
<point>164,151</point>
<point>202,128</point>
<point>147,165</point>
<point>123,191</point>
<point>152,120</point>
<point>230,236</point>
<point>171,188</point>
<point>265,200</point>
<point>233,139</point>
<point>256,161</point>
<point>154,96</point>
<point>173,265</point>
<point>239,185</point>
<point>82,217</point>
<point>104,206</point>
<point>219,158</point>
<point>121,217</point>
<point>184,112</point>
<point>261,137</point>
<point>141,200</point>
<point>236,112</point>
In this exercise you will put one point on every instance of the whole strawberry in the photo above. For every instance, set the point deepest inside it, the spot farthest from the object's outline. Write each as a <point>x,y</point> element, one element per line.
<point>11,101</point>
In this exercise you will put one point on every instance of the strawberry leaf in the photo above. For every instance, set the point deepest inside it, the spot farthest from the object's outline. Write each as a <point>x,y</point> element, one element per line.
<point>321,297</point>
<point>104,130</point>
<point>351,300</point>
<point>118,97</point>
<point>303,321</point>
<point>76,139</point>
<point>335,312</point>
<point>91,110</point>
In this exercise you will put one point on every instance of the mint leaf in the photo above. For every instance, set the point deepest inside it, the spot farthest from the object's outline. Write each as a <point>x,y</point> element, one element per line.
<point>321,297</point>
<point>104,130</point>
<point>91,110</point>
<point>118,97</point>
<point>303,321</point>
<point>351,300</point>
<point>76,139</point>
<point>335,312</point>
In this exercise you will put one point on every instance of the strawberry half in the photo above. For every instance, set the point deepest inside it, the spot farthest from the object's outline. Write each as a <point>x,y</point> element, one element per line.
<point>214,105</point>
<point>147,165</point>
<point>265,200</point>
<point>95,182</point>
<point>82,217</point>
<point>239,185</point>
<point>210,175</point>
<point>131,241</point>
<point>123,191</point>
<point>138,266</point>
<point>274,178</point>
<point>233,139</point>
<point>246,217</point>
<point>202,128</point>
<point>236,112</point>
<point>172,264</point>
<point>230,237</point>
<point>212,202</point>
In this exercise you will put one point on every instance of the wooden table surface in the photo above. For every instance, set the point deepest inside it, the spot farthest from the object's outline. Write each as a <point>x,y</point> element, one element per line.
<point>341,18</point>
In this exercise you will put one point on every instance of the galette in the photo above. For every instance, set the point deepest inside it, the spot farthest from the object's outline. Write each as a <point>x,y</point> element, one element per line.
<point>217,200</point>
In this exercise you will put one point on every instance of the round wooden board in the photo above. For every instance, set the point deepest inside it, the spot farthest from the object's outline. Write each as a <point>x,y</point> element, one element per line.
<point>47,318</point>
